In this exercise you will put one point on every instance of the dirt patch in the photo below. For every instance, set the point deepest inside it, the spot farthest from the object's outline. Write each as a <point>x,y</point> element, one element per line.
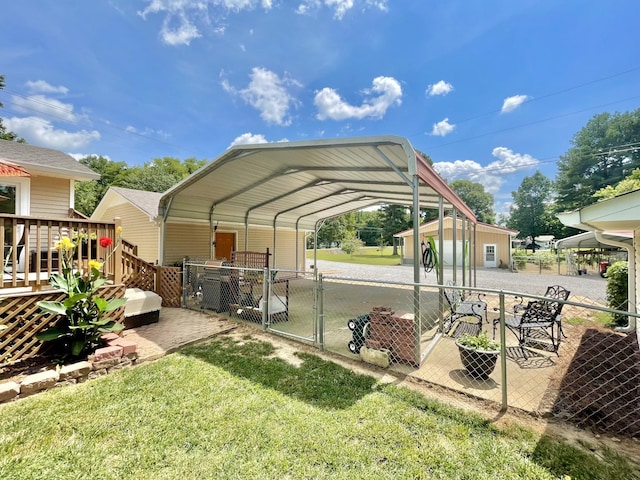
<point>15,372</point>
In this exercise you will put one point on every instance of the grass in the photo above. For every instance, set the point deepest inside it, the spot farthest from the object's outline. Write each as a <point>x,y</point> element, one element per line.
<point>364,256</point>
<point>233,409</point>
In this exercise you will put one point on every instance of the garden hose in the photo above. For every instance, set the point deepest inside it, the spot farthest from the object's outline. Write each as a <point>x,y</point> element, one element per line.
<point>428,260</point>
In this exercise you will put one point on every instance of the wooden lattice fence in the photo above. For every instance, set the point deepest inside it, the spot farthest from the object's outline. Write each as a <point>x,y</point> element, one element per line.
<point>170,286</point>
<point>23,319</point>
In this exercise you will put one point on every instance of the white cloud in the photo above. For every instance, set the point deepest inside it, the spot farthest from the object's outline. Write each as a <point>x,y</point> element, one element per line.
<point>385,92</point>
<point>442,128</point>
<point>341,7</point>
<point>42,132</point>
<point>511,103</point>
<point>440,88</point>
<point>267,93</point>
<point>40,86</point>
<point>251,139</point>
<point>182,18</point>
<point>247,139</point>
<point>45,106</point>
<point>491,176</point>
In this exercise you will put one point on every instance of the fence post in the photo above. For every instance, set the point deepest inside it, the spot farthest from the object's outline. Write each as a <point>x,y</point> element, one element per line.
<point>503,355</point>
<point>266,297</point>
<point>320,311</point>
<point>117,256</point>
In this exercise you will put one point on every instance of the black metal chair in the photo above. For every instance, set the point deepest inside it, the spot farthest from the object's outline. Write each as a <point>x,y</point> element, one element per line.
<point>539,322</point>
<point>460,308</point>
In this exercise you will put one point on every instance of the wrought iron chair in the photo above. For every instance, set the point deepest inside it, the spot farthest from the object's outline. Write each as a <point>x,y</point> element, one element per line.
<point>460,308</point>
<point>539,322</point>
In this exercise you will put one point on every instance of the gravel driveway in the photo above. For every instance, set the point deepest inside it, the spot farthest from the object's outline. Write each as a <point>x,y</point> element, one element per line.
<point>590,286</point>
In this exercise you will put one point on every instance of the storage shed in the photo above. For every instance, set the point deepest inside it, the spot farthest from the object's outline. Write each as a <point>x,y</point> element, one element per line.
<point>492,243</point>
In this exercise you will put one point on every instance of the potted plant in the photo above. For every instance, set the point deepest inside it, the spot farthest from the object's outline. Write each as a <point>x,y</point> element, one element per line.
<point>478,354</point>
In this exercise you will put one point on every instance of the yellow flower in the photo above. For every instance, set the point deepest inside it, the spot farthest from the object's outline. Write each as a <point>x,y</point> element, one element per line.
<point>65,244</point>
<point>95,264</point>
<point>118,230</point>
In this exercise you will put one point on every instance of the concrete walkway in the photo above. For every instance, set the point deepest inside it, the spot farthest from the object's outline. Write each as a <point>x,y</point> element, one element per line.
<point>176,328</point>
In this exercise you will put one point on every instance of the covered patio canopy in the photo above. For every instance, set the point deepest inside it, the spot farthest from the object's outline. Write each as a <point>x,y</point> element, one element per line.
<point>297,185</point>
<point>589,240</point>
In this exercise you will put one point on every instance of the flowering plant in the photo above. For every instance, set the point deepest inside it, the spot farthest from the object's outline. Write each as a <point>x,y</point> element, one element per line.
<point>78,332</point>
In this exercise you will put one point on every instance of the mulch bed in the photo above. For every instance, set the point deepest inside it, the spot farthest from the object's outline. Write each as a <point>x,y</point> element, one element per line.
<point>599,388</point>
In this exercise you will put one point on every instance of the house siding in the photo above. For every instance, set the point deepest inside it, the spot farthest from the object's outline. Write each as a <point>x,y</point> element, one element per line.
<point>50,197</point>
<point>137,228</point>
<point>196,244</point>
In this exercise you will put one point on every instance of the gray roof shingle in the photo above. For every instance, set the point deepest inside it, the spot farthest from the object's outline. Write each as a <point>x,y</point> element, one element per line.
<point>146,201</point>
<point>45,159</point>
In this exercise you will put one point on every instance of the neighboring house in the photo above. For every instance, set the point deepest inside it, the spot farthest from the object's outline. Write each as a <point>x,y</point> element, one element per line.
<point>36,182</point>
<point>617,214</point>
<point>493,243</point>
<point>138,212</point>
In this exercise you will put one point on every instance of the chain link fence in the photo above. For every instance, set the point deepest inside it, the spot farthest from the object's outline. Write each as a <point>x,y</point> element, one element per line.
<point>569,362</point>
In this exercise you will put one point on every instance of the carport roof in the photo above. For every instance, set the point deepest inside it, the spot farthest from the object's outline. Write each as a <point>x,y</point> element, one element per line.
<point>297,184</point>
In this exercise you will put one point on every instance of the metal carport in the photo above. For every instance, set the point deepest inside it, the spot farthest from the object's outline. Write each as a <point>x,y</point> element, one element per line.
<point>297,185</point>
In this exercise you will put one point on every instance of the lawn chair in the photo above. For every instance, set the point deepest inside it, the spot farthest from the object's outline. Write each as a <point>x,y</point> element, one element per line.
<point>460,308</point>
<point>539,322</point>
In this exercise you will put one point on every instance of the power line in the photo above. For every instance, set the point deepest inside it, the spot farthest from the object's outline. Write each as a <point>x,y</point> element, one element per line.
<point>535,122</point>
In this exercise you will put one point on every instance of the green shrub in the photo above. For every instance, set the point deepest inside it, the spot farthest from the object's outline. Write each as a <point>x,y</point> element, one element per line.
<point>520,259</point>
<point>546,259</point>
<point>617,290</point>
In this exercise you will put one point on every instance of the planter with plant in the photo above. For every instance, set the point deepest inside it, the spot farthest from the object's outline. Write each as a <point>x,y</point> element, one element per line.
<point>479,354</point>
<point>82,314</point>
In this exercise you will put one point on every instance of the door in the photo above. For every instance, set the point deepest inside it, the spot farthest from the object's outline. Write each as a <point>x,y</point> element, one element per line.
<point>490,255</point>
<point>225,244</point>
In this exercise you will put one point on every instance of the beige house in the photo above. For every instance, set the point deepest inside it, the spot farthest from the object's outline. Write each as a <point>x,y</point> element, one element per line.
<point>35,183</point>
<point>138,211</point>
<point>493,243</point>
<point>39,182</point>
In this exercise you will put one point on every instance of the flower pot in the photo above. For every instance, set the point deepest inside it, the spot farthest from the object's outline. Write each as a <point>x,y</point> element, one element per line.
<point>478,363</point>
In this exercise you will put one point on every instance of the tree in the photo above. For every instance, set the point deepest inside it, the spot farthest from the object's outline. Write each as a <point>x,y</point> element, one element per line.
<point>156,176</point>
<point>395,218</point>
<point>160,174</point>
<point>632,182</point>
<point>604,152</point>
<point>530,212</point>
<point>476,198</point>
<point>88,194</point>
<point>4,134</point>
<point>351,243</point>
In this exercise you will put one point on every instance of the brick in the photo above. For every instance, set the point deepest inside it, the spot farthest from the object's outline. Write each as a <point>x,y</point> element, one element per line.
<point>106,363</point>
<point>107,337</point>
<point>8,391</point>
<point>38,381</point>
<point>128,346</point>
<point>75,370</point>
<point>105,353</point>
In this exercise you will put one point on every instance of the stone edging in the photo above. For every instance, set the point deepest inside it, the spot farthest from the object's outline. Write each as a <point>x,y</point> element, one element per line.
<point>118,353</point>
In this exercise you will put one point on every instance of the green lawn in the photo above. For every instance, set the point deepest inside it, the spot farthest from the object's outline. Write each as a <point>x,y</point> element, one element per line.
<point>232,410</point>
<point>366,255</point>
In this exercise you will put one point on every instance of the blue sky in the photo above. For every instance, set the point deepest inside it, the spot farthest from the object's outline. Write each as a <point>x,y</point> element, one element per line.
<point>491,89</point>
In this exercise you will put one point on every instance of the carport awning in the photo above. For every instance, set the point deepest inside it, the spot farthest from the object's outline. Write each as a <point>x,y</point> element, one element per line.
<point>589,240</point>
<point>298,184</point>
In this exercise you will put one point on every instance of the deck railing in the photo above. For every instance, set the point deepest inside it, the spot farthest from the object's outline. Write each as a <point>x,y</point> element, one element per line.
<point>30,256</point>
